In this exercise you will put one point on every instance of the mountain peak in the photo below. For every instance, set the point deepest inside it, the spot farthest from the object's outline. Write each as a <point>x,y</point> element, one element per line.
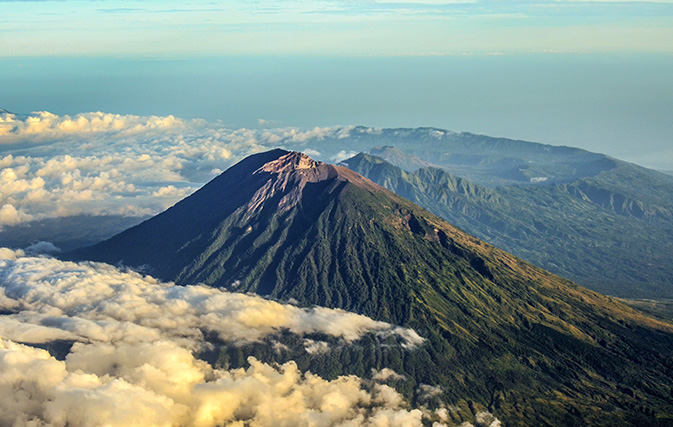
<point>300,169</point>
<point>292,161</point>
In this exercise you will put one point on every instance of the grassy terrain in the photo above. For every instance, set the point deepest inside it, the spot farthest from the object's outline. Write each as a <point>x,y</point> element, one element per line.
<point>662,309</point>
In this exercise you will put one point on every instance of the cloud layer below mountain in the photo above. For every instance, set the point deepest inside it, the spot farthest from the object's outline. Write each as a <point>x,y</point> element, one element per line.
<point>88,302</point>
<point>132,357</point>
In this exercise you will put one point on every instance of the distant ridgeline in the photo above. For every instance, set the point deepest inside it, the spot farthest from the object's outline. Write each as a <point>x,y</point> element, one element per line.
<point>500,333</point>
<point>604,223</point>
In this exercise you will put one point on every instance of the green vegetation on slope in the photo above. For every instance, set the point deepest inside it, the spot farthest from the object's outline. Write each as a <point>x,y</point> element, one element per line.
<point>662,309</point>
<point>501,334</point>
<point>612,232</point>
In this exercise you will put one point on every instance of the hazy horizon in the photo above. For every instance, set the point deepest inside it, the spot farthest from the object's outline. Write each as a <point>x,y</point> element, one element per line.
<point>593,74</point>
<point>619,105</point>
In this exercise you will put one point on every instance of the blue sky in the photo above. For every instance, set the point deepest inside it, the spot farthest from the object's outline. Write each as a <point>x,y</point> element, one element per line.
<point>332,27</point>
<point>591,74</point>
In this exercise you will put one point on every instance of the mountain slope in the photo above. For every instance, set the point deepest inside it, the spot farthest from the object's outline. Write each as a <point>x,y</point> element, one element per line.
<point>612,232</point>
<point>500,333</point>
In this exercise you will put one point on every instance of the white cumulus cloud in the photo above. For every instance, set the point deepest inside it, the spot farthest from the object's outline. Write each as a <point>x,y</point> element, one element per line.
<point>95,301</point>
<point>42,125</point>
<point>111,164</point>
<point>161,384</point>
<point>132,362</point>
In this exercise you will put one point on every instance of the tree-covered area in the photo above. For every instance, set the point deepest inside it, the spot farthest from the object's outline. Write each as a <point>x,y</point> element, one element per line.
<point>612,232</point>
<point>501,334</point>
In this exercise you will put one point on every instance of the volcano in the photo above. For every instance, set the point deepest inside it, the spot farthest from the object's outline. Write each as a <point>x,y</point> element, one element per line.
<point>500,334</point>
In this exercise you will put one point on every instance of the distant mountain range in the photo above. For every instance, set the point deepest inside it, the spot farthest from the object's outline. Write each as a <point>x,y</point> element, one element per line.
<point>612,232</point>
<point>482,159</point>
<point>501,334</point>
<point>605,223</point>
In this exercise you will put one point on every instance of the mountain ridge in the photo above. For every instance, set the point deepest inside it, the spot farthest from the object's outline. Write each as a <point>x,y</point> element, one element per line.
<point>500,333</point>
<point>575,229</point>
<point>489,161</point>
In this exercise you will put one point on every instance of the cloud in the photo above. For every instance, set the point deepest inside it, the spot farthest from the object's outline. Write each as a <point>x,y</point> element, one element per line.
<point>10,215</point>
<point>42,248</point>
<point>386,374</point>
<point>315,347</point>
<point>170,191</point>
<point>110,164</point>
<point>342,155</point>
<point>42,125</point>
<point>95,301</point>
<point>132,359</point>
<point>427,392</point>
<point>483,419</point>
<point>161,384</point>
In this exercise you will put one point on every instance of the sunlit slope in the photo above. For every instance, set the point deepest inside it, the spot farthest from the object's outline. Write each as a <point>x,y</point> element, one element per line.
<point>612,232</point>
<point>500,333</point>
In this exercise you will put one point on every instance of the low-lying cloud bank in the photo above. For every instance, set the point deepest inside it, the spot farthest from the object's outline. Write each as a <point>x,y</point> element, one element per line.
<point>111,164</point>
<point>162,384</point>
<point>43,125</point>
<point>132,362</point>
<point>88,302</point>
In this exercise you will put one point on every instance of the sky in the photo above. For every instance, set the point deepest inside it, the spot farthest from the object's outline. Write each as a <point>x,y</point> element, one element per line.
<point>333,27</point>
<point>140,101</point>
<point>593,74</point>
